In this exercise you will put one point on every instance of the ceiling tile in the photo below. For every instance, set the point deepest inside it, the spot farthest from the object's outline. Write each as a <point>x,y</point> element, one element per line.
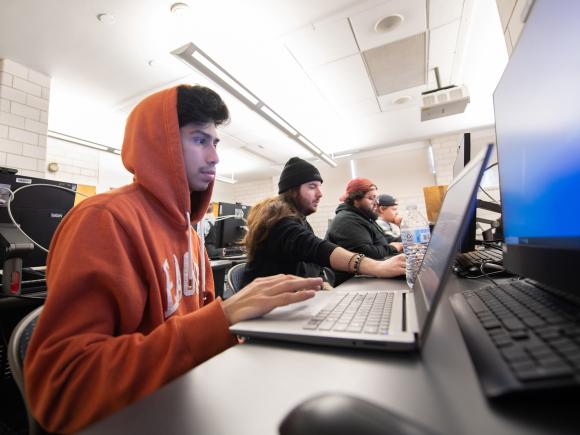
<point>398,65</point>
<point>414,21</point>
<point>322,43</point>
<point>387,102</point>
<point>358,109</point>
<point>444,11</point>
<point>343,81</point>
<point>442,43</point>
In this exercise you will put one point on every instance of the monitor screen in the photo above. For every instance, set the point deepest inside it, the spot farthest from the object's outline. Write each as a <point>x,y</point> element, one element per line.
<point>231,229</point>
<point>538,137</point>
<point>37,209</point>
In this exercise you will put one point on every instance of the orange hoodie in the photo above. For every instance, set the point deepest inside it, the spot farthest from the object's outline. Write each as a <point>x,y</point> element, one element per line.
<point>125,311</point>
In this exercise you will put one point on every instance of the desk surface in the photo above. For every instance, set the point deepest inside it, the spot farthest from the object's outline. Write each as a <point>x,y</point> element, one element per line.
<point>250,388</point>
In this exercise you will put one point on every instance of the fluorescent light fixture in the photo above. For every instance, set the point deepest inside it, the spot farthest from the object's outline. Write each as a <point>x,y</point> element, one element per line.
<point>431,159</point>
<point>83,142</point>
<point>341,156</point>
<point>201,62</point>
<point>223,75</point>
<point>276,118</point>
<point>313,148</point>
<point>352,169</point>
<point>328,160</point>
<point>226,179</point>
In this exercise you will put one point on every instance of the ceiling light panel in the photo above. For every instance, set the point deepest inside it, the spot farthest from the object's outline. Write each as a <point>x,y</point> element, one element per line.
<point>198,60</point>
<point>414,21</point>
<point>322,43</point>
<point>344,81</point>
<point>204,62</point>
<point>398,65</point>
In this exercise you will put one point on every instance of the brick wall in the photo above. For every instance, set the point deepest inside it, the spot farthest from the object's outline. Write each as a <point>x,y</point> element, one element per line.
<point>24,96</point>
<point>77,164</point>
<point>82,165</point>
<point>251,192</point>
<point>445,152</point>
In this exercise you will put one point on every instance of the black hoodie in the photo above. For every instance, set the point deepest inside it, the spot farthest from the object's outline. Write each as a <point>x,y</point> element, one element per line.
<point>352,229</point>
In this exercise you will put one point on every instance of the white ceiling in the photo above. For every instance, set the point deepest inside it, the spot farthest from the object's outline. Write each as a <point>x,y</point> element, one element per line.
<point>302,57</point>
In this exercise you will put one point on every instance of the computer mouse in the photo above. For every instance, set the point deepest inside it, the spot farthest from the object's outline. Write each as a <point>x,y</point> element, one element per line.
<point>342,414</point>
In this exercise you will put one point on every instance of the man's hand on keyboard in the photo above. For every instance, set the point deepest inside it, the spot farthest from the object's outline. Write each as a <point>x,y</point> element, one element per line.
<point>264,294</point>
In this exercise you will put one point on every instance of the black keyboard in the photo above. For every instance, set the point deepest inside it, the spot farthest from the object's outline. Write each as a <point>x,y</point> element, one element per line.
<point>466,260</point>
<point>520,337</point>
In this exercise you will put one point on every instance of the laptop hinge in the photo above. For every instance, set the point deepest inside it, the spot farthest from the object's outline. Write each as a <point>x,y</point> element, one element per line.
<point>404,322</point>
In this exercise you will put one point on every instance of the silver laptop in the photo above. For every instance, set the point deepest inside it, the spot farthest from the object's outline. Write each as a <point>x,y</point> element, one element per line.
<point>381,319</point>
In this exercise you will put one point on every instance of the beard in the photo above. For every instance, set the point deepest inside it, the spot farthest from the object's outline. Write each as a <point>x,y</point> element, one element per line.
<point>305,207</point>
<point>369,212</point>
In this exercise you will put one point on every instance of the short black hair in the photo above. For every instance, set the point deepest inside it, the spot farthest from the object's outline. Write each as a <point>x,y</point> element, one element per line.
<point>200,105</point>
<point>353,196</point>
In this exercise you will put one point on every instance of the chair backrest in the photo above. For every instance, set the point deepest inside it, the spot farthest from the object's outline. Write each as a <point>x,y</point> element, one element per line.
<point>16,352</point>
<point>235,276</point>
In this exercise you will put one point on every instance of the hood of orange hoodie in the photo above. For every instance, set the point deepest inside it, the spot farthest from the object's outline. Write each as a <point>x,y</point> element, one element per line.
<point>152,153</point>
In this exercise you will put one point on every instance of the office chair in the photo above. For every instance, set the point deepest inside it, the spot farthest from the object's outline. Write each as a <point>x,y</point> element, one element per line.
<point>17,347</point>
<point>235,276</point>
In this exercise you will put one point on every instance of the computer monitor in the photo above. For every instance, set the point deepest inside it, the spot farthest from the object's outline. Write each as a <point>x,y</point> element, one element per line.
<point>463,154</point>
<point>231,229</point>
<point>487,207</point>
<point>38,210</point>
<point>538,137</point>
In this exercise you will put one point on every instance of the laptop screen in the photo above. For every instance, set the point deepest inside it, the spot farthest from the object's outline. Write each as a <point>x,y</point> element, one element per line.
<point>456,211</point>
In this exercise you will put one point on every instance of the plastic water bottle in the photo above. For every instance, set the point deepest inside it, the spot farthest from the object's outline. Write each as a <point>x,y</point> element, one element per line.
<point>415,235</point>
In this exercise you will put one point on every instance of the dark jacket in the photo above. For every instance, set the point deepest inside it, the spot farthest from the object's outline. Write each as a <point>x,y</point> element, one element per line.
<point>356,232</point>
<point>291,248</point>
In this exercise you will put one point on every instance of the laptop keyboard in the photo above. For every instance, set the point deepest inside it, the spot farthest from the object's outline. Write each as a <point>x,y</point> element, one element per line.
<point>535,335</point>
<point>475,258</point>
<point>368,313</point>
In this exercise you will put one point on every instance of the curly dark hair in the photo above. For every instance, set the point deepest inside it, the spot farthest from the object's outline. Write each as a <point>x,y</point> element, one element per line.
<point>357,195</point>
<point>265,214</point>
<point>200,105</point>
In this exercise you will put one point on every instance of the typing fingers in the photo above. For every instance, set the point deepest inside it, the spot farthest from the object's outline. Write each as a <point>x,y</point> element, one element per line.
<point>293,284</point>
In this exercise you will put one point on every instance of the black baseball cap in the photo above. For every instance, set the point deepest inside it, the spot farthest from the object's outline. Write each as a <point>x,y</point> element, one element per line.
<point>387,200</point>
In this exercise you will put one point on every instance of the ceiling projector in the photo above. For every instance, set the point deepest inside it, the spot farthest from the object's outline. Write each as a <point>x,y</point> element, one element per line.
<point>441,102</point>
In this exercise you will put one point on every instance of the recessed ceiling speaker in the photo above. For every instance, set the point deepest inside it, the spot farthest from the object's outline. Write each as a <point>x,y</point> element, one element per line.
<point>388,24</point>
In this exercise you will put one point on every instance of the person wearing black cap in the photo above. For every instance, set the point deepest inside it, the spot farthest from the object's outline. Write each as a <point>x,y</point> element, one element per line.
<point>389,220</point>
<point>354,225</point>
<point>280,240</point>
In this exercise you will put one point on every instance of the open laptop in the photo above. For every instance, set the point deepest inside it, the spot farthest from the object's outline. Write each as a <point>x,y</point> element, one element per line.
<point>405,316</point>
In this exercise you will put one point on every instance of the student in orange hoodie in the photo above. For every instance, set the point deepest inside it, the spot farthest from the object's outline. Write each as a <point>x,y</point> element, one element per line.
<point>131,301</point>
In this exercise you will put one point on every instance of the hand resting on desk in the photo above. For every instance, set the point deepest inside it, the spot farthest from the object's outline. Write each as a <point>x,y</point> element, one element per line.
<point>264,294</point>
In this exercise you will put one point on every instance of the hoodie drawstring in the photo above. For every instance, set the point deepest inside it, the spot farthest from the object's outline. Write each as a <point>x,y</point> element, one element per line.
<point>201,235</point>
